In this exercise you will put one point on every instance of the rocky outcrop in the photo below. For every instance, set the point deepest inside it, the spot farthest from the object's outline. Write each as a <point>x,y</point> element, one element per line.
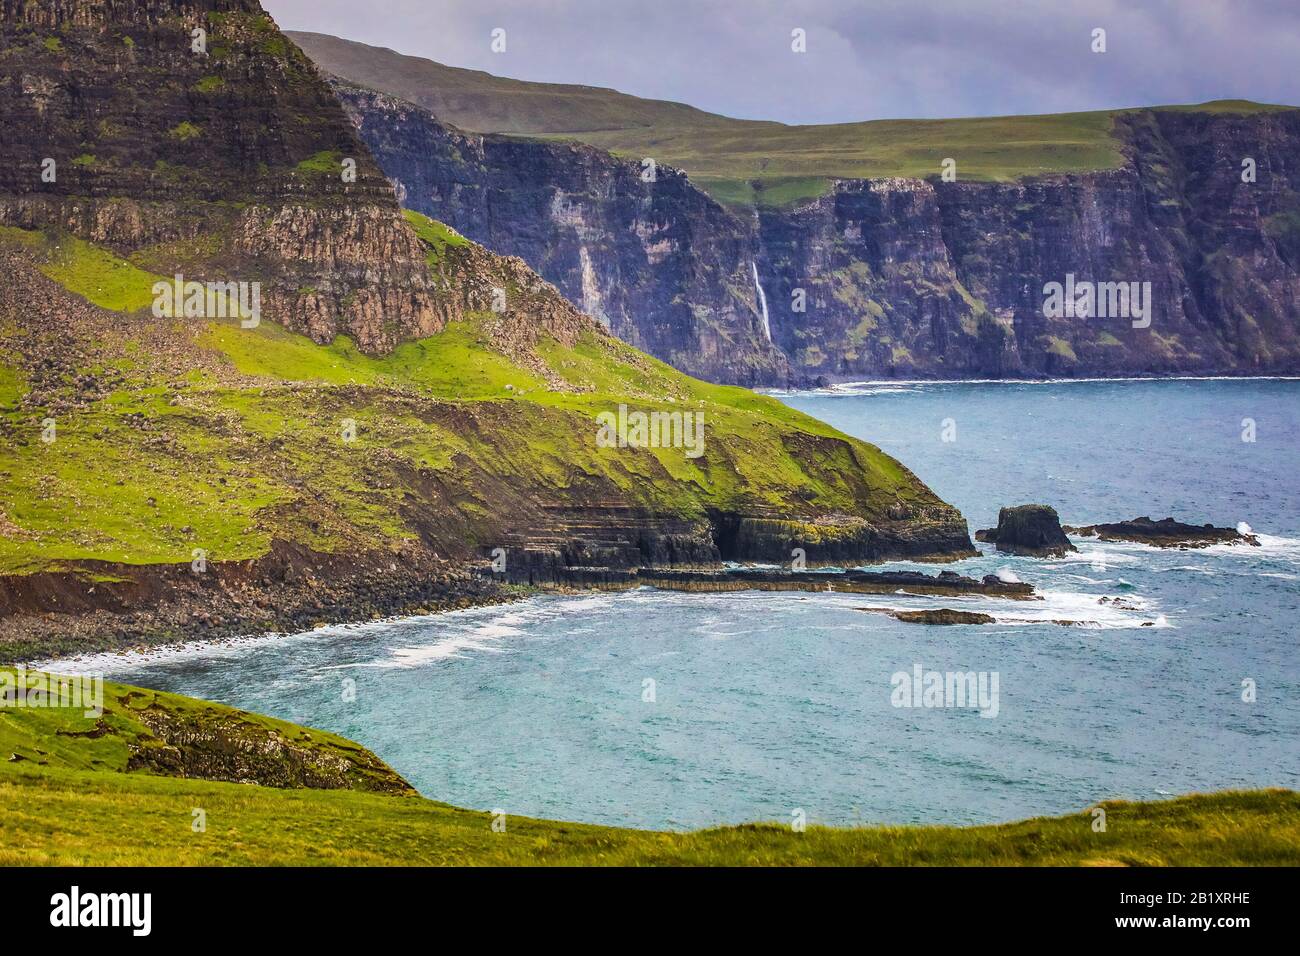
<point>897,277</point>
<point>113,728</point>
<point>941,615</point>
<point>1165,533</point>
<point>234,160</point>
<point>945,583</point>
<point>104,606</point>
<point>238,748</point>
<point>1032,530</point>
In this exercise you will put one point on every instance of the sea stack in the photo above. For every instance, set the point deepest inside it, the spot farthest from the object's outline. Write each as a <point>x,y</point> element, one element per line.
<point>1032,530</point>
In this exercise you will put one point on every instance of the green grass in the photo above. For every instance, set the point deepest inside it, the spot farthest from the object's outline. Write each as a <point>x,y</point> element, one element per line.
<point>436,235</point>
<point>69,800</point>
<point>326,161</point>
<point>746,162</point>
<point>99,276</point>
<point>63,818</point>
<point>13,386</point>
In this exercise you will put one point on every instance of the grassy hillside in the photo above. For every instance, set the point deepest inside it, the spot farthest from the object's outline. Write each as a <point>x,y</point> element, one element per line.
<point>473,99</point>
<point>70,800</point>
<point>180,434</point>
<point>741,162</point>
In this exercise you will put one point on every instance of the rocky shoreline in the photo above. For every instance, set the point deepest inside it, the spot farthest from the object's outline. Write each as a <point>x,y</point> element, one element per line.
<point>98,607</point>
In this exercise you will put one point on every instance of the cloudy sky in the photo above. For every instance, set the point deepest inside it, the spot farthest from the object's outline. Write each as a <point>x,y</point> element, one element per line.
<point>865,59</point>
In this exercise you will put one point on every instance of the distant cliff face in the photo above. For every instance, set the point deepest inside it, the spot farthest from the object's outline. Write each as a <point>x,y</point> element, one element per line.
<point>661,264</point>
<point>900,277</point>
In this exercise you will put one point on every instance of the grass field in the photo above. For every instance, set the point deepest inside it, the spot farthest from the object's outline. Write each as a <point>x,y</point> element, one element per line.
<point>69,800</point>
<point>740,162</point>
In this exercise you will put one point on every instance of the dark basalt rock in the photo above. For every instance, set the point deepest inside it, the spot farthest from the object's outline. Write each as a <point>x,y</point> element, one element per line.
<point>1165,533</point>
<point>947,583</point>
<point>1033,530</point>
<point>939,615</point>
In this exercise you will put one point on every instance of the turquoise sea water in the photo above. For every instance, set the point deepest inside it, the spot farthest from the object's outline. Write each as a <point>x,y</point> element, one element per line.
<point>762,704</point>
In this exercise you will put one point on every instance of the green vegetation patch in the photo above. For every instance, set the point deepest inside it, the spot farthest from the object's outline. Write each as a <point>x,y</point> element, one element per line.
<point>436,235</point>
<point>326,161</point>
<point>86,818</point>
<point>185,131</point>
<point>99,276</point>
<point>13,386</point>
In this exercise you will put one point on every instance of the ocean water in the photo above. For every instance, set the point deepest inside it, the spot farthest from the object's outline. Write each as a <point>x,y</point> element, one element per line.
<point>667,710</point>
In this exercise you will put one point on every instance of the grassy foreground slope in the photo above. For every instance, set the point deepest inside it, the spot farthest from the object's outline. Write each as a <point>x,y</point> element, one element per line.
<point>70,797</point>
<point>64,818</point>
<point>738,161</point>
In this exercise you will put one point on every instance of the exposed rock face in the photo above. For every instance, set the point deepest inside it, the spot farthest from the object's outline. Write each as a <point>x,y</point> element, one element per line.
<point>249,185</point>
<point>1165,533</point>
<point>660,263</point>
<point>899,277</point>
<point>234,747</point>
<point>1033,530</point>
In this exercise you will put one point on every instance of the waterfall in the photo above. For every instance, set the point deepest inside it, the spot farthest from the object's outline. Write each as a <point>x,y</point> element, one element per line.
<point>762,301</point>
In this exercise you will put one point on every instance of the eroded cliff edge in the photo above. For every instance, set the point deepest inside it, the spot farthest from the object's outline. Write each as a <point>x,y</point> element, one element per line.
<point>897,277</point>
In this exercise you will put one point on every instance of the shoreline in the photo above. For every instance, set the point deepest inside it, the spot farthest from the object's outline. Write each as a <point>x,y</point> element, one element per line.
<point>483,591</point>
<point>839,387</point>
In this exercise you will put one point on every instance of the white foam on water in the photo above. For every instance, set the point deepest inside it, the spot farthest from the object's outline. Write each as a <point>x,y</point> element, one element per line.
<point>1270,545</point>
<point>1078,608</point>
<point>1007,575</point>
<point>1099,556</point>
<point>109,662</point>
